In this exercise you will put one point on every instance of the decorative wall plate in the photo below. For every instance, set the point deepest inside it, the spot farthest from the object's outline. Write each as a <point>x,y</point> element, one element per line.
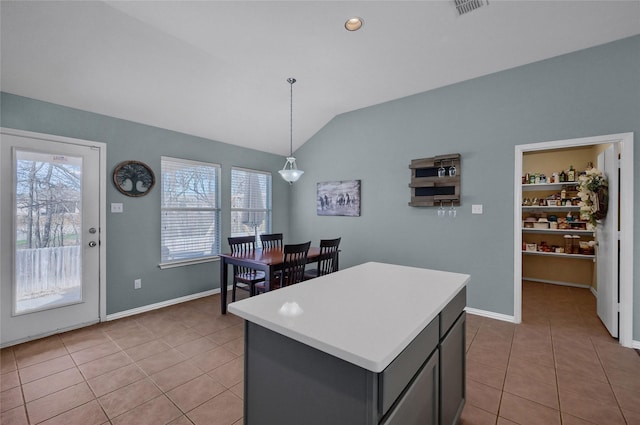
<point>133,178</point>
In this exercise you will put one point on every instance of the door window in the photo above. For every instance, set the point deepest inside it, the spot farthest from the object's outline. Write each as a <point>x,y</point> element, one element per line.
<point>48,240</point>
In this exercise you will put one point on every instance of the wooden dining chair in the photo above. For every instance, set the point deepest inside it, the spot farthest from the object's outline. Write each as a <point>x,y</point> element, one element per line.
<point>271,240</point>
<point>241,274</point>
<point>327,260</point>
<point>292,271</point>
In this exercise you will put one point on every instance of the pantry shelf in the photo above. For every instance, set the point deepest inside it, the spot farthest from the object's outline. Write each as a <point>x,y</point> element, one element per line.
<point>560,231</point>
<point>565,208</point>
<point>552,220</point>
<point>547,186</point>
<point>562,255</point>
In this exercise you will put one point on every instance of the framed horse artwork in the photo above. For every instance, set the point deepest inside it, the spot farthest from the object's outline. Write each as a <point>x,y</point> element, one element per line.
<point>338,198</point>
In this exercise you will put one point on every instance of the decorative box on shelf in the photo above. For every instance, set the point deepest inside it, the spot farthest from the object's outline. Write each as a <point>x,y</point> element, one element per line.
<point>435,181</point>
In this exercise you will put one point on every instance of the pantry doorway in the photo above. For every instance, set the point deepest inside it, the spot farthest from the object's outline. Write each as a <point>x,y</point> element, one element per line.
<point>622,290</point>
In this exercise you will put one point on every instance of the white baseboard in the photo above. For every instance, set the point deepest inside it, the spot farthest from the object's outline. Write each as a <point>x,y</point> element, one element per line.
<point>558,282</point>
<point>490,314</point>
<point>594,292</point>
<point>162,304</point>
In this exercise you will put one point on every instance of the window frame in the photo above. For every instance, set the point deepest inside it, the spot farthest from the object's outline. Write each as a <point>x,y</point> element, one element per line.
<point>268,210</point>
<point>217,211</point>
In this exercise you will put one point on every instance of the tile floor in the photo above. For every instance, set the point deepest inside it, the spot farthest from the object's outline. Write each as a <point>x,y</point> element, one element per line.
<point>183,365</point>
<point>559,366</point>
<point>180,365</point>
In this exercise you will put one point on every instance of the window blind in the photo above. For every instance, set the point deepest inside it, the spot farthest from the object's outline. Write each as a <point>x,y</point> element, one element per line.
<point>250,202</point>
<point>190,209</point>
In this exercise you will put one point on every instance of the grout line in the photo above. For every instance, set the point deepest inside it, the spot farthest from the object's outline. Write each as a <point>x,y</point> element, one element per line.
<point>555,371</point>
<point>615,396</point>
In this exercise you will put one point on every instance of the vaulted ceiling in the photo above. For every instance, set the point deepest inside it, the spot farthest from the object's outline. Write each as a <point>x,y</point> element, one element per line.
<point>218,69</point>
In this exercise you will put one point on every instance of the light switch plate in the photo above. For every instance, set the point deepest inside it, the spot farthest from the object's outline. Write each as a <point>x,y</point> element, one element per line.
<point>116,207</point>
<point>476,209</point>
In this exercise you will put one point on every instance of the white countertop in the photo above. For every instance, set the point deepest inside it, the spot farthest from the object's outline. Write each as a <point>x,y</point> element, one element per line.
<point>366,314</point>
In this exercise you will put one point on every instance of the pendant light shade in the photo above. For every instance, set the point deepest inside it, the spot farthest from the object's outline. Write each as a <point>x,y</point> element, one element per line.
<point>290,171</point>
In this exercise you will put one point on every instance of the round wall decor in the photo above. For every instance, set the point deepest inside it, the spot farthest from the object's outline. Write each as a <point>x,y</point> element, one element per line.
<point>133,178</point>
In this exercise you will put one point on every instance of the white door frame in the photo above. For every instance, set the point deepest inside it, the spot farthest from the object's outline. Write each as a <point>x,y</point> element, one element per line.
<point>102,148</point>
<point>626,223</point>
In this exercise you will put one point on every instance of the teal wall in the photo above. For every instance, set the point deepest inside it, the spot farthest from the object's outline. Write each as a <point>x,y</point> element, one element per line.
<point>133,237</point>
<point>586,93</point>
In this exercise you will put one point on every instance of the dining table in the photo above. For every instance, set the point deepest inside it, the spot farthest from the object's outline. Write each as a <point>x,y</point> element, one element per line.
<point>267,260</point>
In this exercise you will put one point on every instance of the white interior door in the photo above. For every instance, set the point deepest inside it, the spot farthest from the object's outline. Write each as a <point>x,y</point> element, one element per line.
<point>607,248</point>
<point>50,247</point>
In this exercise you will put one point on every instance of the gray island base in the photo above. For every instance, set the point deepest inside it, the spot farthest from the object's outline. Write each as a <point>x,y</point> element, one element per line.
<point>386,357</point>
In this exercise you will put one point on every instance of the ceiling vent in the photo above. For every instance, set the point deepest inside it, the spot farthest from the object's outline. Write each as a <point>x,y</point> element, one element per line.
<point>466,6</point>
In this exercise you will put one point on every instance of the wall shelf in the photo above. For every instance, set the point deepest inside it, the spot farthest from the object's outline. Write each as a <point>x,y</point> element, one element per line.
<point>428,189</point>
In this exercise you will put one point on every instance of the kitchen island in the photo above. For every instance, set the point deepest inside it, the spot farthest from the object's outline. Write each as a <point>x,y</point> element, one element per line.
<point>372,344</point>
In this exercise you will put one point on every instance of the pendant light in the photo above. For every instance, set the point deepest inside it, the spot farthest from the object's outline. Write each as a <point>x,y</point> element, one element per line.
<point>290,172</point>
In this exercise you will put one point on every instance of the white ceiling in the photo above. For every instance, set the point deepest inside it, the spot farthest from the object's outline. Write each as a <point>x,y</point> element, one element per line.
<point>218,69</point>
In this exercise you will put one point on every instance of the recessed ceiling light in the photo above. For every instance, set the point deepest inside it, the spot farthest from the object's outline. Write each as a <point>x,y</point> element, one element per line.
<point>353,24</point>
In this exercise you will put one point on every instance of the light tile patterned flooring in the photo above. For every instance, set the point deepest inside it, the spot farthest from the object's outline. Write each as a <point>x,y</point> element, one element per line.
<point>559,366</point>
<point>183,365</point>
<point>180,365</point>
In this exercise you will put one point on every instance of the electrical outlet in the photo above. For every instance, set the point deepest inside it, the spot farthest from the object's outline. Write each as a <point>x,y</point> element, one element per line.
<point>137,284</point>
<point>476,209</point>
<point>116,207</point>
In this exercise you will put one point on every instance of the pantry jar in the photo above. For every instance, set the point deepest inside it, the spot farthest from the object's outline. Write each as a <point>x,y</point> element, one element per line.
<point>576,244</point>
<point>568,244</point>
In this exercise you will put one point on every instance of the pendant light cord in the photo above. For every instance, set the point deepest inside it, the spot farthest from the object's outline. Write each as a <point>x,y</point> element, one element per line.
<point>291,81</point>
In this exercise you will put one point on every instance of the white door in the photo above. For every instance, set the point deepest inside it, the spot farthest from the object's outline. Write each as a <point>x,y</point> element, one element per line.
<point>607,248</point>
<point>50,247</point>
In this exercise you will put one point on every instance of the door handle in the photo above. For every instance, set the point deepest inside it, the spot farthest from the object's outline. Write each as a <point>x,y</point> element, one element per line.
<point>92,244</point>
<point>92,230</point>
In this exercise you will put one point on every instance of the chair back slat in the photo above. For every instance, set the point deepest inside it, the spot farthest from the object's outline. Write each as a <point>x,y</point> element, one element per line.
<point>271,240</point>
<point>242,245</point>
<point>295,258</point>
<point>328,259</point>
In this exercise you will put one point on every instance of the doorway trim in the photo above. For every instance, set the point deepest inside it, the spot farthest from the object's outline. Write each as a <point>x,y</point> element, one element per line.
<point>626,223</point>
<point>102,151</point>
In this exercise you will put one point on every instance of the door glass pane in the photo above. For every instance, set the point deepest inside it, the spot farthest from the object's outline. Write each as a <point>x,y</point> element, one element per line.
<point>48,223</point>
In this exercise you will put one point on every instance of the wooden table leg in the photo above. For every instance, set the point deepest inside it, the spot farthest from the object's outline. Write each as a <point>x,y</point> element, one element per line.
<point>268,277</point>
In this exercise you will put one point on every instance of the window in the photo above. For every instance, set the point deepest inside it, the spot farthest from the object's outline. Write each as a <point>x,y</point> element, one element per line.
<point>190,210</point>
<point>250,202</point>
